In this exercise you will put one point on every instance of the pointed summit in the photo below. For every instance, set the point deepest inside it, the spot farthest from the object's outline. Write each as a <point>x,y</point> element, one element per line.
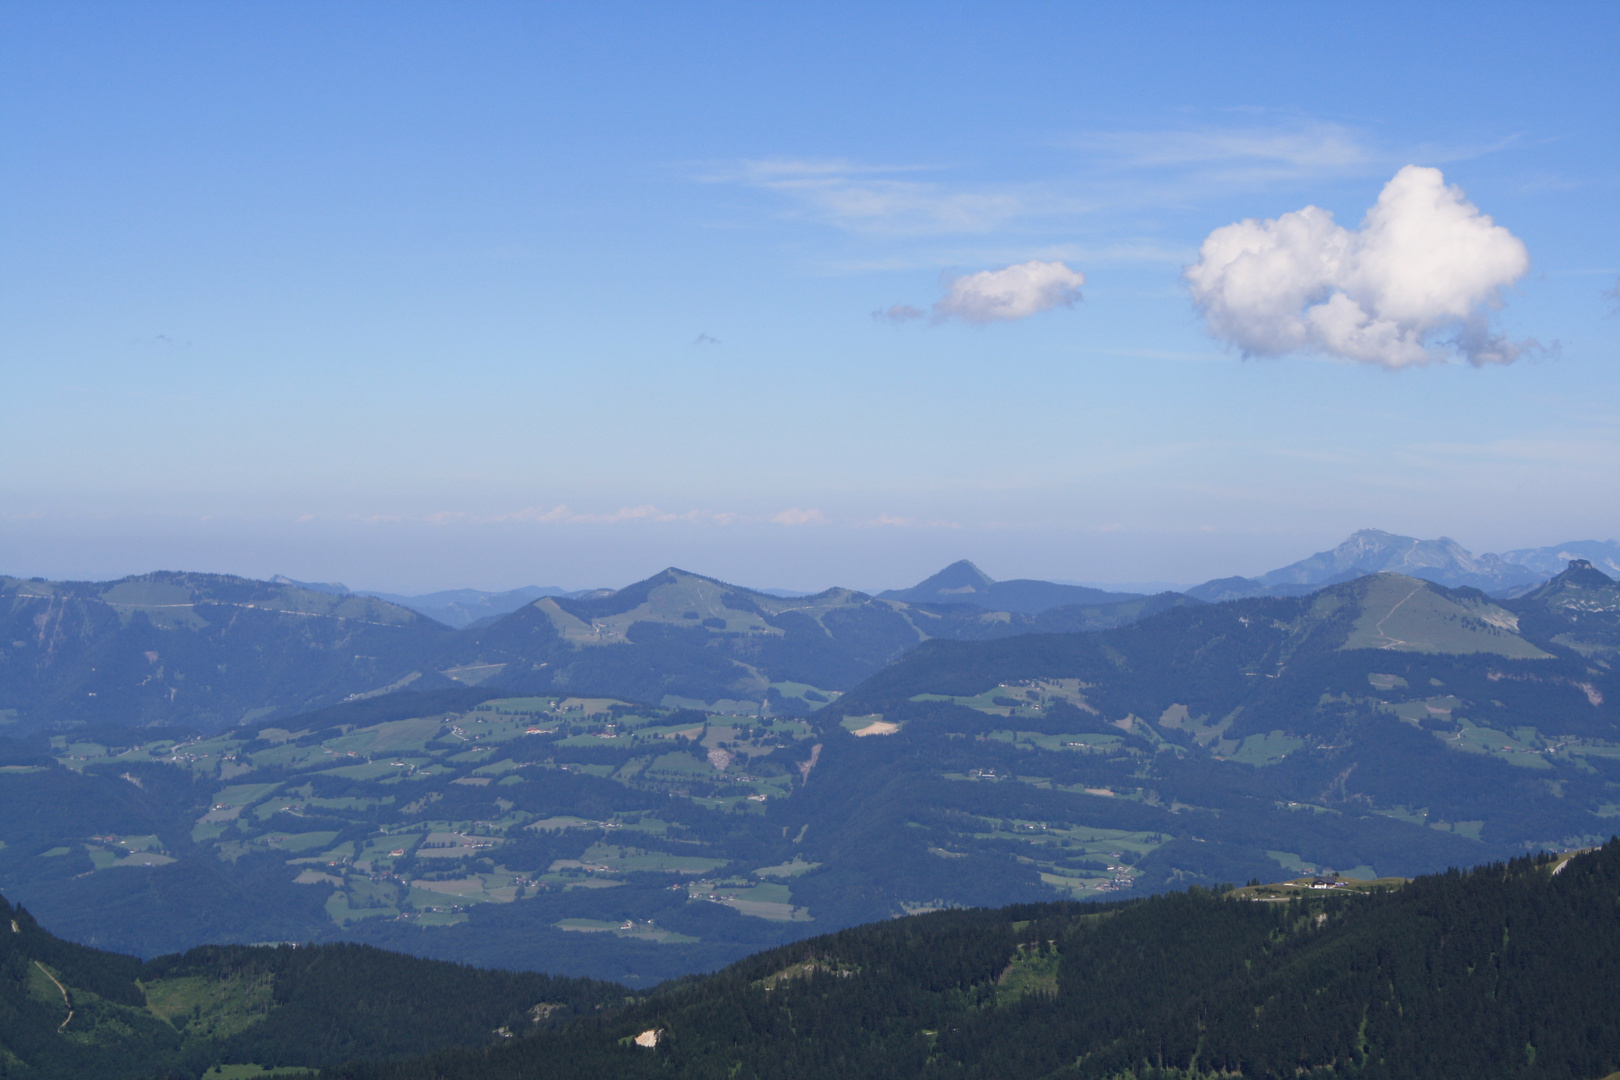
<point>959,577</point>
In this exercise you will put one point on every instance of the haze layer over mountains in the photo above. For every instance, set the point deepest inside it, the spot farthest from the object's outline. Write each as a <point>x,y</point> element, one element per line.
<point>1369,551</point>
<point>213,650</point>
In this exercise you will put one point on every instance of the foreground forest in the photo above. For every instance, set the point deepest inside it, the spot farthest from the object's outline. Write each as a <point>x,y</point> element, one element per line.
<point>1509,970</point>
<point>69,1012</point>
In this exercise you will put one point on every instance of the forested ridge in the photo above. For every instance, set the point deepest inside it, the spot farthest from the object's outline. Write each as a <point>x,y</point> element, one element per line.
<point>1508,970</point>
<point>70,1012</point>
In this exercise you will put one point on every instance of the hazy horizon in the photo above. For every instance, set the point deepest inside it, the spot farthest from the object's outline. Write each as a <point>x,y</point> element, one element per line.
<point>560,580</point>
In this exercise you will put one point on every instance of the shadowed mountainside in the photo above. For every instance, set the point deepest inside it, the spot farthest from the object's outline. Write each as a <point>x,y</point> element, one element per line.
<point>1506,971</point>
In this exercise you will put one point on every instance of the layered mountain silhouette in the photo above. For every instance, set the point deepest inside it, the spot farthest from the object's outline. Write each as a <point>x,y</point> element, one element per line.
<point>461,608</point>
<point>963,583</point>
<point>682,639</point>
<point>213,650</point>
<point>1603,554</point>
<point>1372,551</point>
<point>456,608</point>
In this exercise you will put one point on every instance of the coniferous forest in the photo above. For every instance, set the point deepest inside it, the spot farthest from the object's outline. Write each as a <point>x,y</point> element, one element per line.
<point>1508,970</point>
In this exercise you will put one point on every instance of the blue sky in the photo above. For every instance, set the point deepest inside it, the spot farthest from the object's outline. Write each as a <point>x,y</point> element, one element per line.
<point>422,296</point>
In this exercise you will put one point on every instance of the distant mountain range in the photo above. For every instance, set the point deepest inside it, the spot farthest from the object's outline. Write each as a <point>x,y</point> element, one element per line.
<point>456,608</point>
<point>963,583</point>
<point>214,650</point>
<point>1381,726</point>
<point>1369,551</point>
<point>1547,561</point>
<point>461,608</point>
<point>681,639</point>
<point>1442,561</point>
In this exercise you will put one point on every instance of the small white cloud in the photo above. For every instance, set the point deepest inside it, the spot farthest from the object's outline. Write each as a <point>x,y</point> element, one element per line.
<point>1414,285</point>
<point>795,516</point>
<point>1015,292</point>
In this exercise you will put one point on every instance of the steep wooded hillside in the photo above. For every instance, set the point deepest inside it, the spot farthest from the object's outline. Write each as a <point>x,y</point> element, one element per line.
<point>68,1012</point>
<point>1506,971</point>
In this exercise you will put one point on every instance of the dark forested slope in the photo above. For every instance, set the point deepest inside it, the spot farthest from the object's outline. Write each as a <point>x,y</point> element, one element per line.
<point>69,1012</point>
<point>1510,970</point>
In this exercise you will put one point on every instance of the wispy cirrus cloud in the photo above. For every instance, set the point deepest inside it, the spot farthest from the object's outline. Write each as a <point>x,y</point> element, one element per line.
<point>892,199</point>
<point>1107,172</point>
<point>562,514</point>
<point>1289,148</point>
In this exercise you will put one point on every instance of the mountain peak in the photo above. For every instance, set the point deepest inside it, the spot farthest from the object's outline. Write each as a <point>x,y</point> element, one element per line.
<point>1604,555</point>
<point>961,576</point>
<point>1579,576</point>
<point>1370,551</point>
<point>963,583</point>
<point>331,588</point>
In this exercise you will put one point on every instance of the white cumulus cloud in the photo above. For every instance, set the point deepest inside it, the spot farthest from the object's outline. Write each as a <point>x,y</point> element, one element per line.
<point>1015,292</point>
<point>1415,284</point>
